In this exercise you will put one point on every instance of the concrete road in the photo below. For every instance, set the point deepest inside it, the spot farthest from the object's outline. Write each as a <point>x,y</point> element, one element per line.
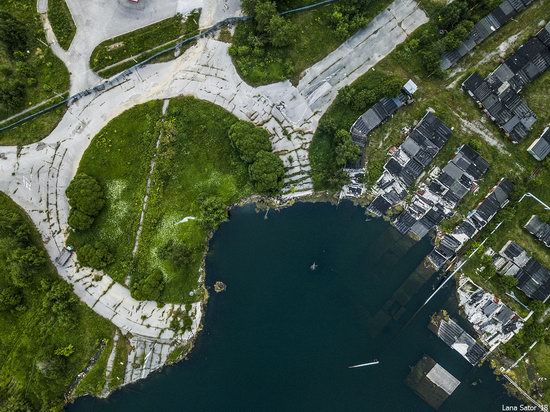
<point>36,176</point>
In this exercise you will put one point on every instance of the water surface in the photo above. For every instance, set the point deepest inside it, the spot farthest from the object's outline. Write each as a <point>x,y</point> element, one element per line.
<point>281,337</point>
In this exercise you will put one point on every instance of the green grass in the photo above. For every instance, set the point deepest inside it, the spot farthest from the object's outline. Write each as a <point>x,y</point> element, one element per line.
<point>45,75</point>
<point>315,38</point>
<point>118,158</point>
<point>119,365</point>
<point>62,22</point>
<point>94,381</point>
<point>30,335</point>
<point>450,104</point>
<point>123,47</point>
<point>529,371</point>
<point>33,130</point>
<point>199,163</point>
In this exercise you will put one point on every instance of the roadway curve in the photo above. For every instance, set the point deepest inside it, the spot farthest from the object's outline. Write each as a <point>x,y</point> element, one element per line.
<point>36,176</point>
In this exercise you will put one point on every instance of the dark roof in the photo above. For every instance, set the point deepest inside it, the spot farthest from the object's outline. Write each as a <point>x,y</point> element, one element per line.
<point>379,206</point>
<point>541,146</point>
<point>539,229</point>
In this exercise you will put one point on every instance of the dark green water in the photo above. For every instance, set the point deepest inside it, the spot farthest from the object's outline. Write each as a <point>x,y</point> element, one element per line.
<point>282,336</point>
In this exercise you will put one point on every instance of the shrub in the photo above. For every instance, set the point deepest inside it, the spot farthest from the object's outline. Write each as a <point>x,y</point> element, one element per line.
<point>10,298</point>
<point>150,287</point>
<point>96,256</point>
<point>267,173</point>
<point>86,199</point>
<point>249,140</point>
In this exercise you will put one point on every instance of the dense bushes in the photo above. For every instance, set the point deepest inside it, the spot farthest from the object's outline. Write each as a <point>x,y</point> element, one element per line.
<point>46,337</point>
<point>272,48</point>
<point>96,256</point>
<point>265,168</point>
<point>149,287</point>
<point>249,140</point>
<point>86,199</point>
<point>267,173</point>
<point>451,25</point>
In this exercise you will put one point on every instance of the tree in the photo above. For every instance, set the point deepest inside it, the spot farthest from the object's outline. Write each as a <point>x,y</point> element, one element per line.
<point>178,254</point>
<point>24,264</point>
<point>280,31</point>
<point>86,199</point>
<point>264,11</point>
<point>13,33</point>
<point>59,300</point>
<point>267,173</point>
<point>79,220</point>
<point>13,225</point>
<point>12,93</point>
<point>150,287</point>
<point>10,298</point>
<point>214,212</point>
<point>86,195</point>
<point>345,150</point>
<point>249,140</point>
<point>96,256</point>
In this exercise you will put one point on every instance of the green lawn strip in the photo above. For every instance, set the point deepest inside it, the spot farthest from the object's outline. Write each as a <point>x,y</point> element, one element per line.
<point>119,365</point>
<point>94,381</point>
<point>32,130</point>
<point>29,335</point>
<point>118,158</point>
<point>314,38</point>
<point>203,164</point>
<point>62,22</point>
<point>41,72</point>
<point>134,43</point>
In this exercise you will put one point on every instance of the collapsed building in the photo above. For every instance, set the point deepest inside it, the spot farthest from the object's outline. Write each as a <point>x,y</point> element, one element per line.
<point>489,24</point>
<point>494,322</point>
<point>477,219</point>
<point>457,338</point>
<point>498,93</point>
<point>437,198</point>
<point>533,278</point>
<point>539,229</point>
<point>407,163</point>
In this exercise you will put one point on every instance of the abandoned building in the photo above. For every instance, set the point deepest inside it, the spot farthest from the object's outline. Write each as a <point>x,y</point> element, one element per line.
<point>494,322</point>
<point>533,278</point>
<point>539,229</point>
<point>431,382</point>
<point>407,163</point>
<point>501,15</point>
<point>476,220</point>
<point>540,148</point>
<point>457,338</point>
<point>498,94</point>
<point>437,198</point>
<point>380,113</point>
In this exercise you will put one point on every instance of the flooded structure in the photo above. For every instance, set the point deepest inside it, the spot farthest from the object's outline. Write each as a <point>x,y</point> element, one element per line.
<point>539,229</point>
<point>431,382</point>
<point>407,163</point>
<point>494,322</point>
<point>445,188</point>
<point>457,338</point>
<point>498,93</point>
<point>489,24</point>
<point>533,278</point>
<point>449,244</point>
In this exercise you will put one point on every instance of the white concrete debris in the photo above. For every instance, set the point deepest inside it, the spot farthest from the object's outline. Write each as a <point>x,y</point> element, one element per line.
<point>36,176</point>
<point>495,322</point>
